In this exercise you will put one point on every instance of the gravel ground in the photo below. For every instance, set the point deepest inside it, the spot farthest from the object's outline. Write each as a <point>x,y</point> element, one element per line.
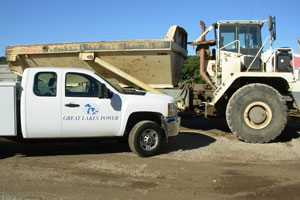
<point>204,162</point>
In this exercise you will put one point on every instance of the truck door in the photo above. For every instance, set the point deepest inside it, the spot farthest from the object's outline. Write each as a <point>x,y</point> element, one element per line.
<point>83,113</point>
<point>41,104</point>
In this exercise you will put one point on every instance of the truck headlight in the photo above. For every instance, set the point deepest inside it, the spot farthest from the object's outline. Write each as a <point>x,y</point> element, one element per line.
<point>172,110</point>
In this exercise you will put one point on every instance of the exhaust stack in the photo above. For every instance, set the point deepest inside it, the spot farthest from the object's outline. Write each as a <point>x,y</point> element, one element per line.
<point>201,52</point>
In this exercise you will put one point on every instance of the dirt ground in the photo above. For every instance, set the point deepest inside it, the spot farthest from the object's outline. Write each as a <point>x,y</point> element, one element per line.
<point>204,162</point>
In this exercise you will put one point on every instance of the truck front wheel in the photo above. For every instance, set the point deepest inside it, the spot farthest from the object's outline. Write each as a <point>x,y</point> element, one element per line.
<point>256,113</point>
<point>145,138</point>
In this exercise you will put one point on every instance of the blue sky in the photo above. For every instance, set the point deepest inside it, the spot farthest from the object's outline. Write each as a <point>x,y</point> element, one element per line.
<point>37,21</point>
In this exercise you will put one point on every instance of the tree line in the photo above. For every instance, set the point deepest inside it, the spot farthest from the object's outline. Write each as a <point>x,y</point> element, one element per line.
<point>191,70</point>
<point>3,60</point>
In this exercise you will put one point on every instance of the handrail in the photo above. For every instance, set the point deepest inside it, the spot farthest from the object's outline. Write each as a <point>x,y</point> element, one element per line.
<point>262,46</point>
<point>239,44</point>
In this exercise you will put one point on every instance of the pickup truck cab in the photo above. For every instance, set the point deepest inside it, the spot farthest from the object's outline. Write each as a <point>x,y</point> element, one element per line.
<point>73,103</point>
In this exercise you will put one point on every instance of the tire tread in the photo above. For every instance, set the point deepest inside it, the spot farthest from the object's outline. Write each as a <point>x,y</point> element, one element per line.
<point>133,143</point>
<point>237,95</point>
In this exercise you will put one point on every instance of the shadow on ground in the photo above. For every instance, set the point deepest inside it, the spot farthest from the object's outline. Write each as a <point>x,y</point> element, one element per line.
<point>188,141</point>
<point>291,131</point>
<point>184,141</point>
<point>200,123</point>
<point>61,147</point>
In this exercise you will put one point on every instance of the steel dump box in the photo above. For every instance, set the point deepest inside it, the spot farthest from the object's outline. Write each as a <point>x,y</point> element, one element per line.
<point>157,63</point>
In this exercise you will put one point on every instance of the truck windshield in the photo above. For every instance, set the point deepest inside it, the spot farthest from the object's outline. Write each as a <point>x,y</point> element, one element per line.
<point>247,34</point>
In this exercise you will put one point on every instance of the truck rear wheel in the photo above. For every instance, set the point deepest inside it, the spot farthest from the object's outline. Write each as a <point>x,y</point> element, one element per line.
<point>256,113</point>
<point>145,138</point>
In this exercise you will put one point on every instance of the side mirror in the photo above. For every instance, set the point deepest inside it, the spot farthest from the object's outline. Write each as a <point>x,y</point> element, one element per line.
<point>270,23</point>
<point>104,92</point>
<point>272,27</point>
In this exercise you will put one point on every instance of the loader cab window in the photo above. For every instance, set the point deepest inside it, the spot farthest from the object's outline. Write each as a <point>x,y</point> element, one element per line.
<point>249,37</point>
<point>45,84</point>
<point>247,34</point>
<point>227,36</point>
<point>81,85</point>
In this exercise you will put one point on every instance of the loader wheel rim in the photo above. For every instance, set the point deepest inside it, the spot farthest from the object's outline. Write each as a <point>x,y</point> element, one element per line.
<point>258,115</point>
<point>149,139</point>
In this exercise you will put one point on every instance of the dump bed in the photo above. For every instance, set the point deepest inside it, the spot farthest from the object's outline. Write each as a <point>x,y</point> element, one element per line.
<point>154,62</point>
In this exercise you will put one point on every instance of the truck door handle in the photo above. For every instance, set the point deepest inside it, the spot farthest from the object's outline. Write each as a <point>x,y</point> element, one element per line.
<point>72,105</point>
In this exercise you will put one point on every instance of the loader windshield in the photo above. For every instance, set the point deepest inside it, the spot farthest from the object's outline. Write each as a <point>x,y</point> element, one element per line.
<point>248,36</point>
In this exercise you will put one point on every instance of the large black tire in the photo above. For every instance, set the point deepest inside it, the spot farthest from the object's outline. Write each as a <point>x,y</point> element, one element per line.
<point>146,138</point>
<point>256,113</point>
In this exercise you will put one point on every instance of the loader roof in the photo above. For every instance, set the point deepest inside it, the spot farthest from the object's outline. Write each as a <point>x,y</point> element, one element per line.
<point>242,22</point>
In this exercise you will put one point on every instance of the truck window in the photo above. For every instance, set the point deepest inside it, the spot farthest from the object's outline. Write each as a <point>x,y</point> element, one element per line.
<point>81,85</point>
<point>45,84</point>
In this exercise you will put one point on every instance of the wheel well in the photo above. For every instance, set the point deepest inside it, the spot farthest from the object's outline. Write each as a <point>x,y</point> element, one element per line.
<point>280,84</point>
<point>136,117</point>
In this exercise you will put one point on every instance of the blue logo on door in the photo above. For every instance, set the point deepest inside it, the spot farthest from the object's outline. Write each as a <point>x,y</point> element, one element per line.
<point>90,110</point>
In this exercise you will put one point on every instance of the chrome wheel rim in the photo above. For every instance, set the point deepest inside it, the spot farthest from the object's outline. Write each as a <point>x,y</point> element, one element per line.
<point>149,139</point>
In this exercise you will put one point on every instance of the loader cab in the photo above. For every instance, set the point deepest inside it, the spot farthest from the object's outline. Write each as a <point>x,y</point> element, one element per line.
<point>242,38</point>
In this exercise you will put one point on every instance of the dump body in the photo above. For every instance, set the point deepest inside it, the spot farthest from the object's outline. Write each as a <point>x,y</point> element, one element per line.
<point>155,62</point>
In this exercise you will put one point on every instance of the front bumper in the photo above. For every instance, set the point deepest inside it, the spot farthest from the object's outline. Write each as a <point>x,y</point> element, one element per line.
<point>172,125</point>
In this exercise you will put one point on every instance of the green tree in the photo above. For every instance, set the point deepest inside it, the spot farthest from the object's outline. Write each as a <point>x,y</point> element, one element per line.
<point>3,60</point>
<point>191,69</point>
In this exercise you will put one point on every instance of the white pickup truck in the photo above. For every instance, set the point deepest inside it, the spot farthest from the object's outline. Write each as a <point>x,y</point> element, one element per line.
<point>73,103</point>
